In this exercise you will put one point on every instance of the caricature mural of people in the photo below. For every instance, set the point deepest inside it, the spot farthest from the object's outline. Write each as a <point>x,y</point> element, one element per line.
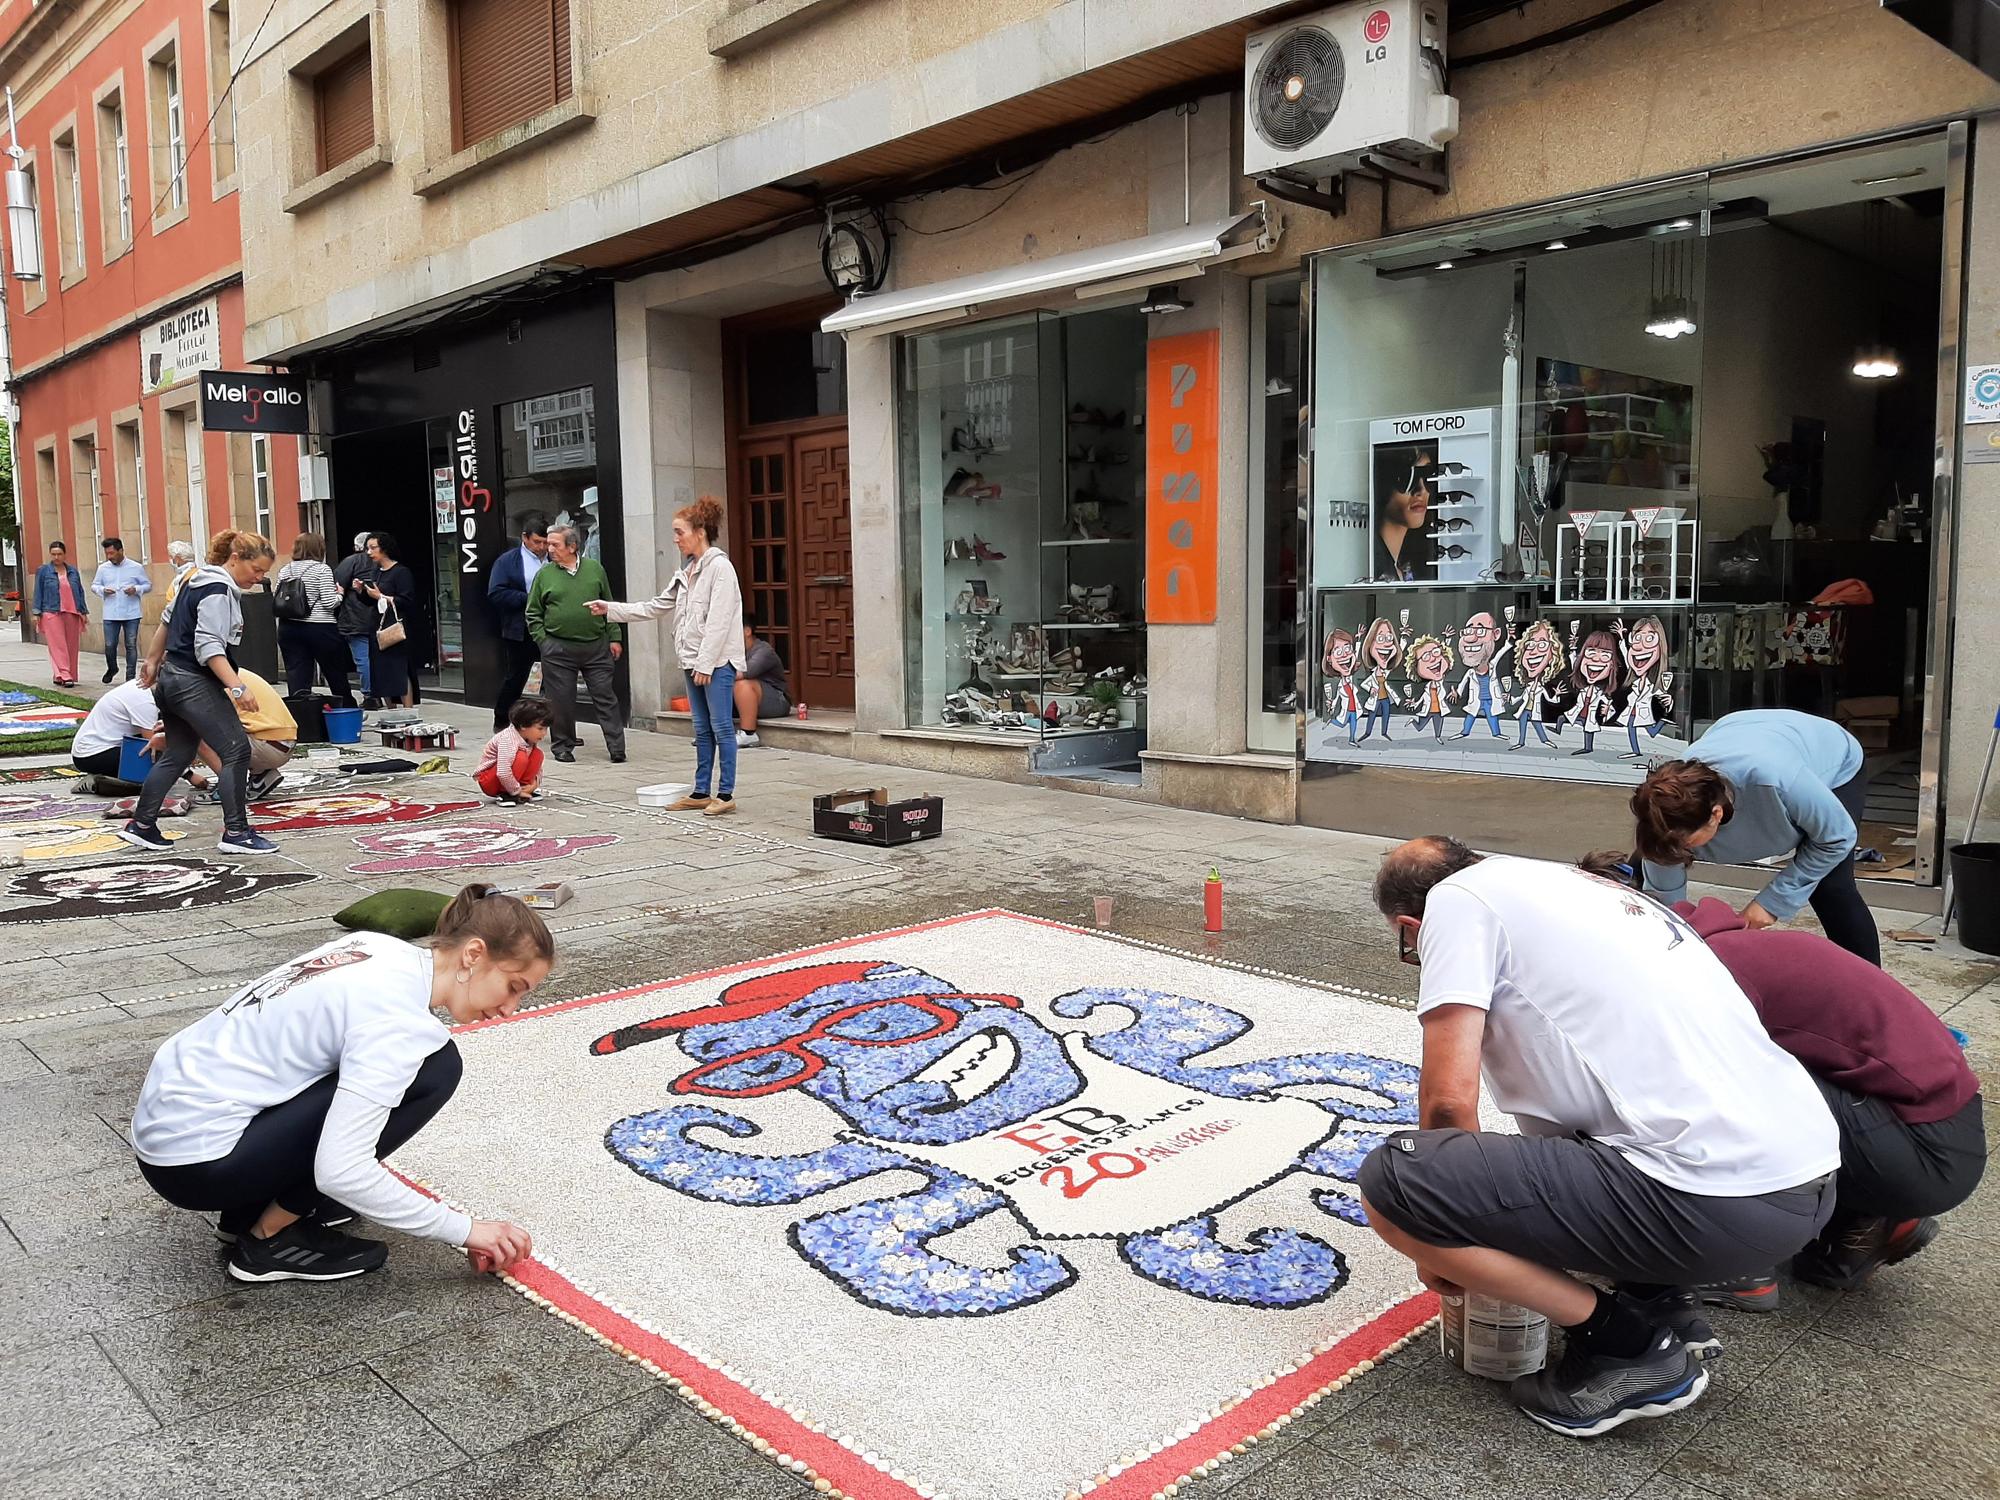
<point>1595,680</point>
<point>1645,650</point>
<point>1540,660</point>
<point>1403,476</point>
<point>1430,660</point>
<point>1478,691</point>
<point>1381,654</point>
<point>1343,700</point>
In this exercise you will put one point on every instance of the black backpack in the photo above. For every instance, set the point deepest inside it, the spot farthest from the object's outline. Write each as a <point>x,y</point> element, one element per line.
<point>292,601</point>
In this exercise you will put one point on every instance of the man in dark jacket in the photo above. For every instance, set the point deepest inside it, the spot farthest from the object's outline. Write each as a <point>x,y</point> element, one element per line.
<point>507,591</point>
<point>356,612</point>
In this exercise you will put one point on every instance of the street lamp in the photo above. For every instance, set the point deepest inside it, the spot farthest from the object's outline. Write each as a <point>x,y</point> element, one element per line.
<point>24,238</point>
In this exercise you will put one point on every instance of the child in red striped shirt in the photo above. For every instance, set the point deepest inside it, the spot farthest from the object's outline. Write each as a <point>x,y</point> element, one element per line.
<point>510,767</point>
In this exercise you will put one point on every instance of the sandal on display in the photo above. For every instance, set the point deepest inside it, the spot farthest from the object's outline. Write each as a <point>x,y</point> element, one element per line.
<point>984,550</point>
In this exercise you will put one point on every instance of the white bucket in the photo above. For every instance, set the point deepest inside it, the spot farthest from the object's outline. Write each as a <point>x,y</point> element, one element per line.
<point>1495,1340</point>
<point>664,793</point>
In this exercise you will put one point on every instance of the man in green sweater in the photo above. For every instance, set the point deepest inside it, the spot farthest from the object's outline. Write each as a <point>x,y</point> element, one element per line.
<point>573,640</point>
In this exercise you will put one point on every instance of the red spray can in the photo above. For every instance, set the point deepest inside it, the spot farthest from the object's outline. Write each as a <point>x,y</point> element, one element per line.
<point>1211,901</point>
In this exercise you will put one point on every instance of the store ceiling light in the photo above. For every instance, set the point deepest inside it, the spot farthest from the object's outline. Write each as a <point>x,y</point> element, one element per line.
<point>1877,363</point>
<point>1681,224</point>
<point>1887,178</point>
<point>1443,265</point>
<point>1556,245</point>
<point>1164,299</point>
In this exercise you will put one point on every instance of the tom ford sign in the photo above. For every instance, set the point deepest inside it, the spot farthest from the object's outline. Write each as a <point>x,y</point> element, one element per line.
<point>240,401</point>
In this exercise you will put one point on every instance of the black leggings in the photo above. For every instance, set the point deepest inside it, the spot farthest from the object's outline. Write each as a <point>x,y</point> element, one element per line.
<point>1836,900</point>
<point>273,1161</point>
<point>307,644</point>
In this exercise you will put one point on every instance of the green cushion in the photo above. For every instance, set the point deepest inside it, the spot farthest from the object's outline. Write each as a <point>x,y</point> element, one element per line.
<point>407,914</point>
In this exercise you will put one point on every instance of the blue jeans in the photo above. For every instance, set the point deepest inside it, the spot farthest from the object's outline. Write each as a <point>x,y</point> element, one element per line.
<point>130,630</point>
<point>714,709</point>
<point>357,647</point>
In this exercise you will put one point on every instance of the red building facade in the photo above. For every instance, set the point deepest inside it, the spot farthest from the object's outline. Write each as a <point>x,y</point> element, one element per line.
<point>128,133</point>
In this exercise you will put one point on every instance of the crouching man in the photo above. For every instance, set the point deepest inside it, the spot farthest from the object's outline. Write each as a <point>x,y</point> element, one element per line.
<point>1667,1141</point>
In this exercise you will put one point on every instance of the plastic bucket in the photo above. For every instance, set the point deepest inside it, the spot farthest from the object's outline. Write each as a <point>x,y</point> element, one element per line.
<point>1975,873</point>
<point>343,726</point>
<point>309,711</point>
<point>135,761</point>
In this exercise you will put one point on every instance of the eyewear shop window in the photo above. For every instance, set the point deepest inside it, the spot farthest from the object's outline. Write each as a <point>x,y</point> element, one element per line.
<point>1586,483</point>
<point>1024,532</point>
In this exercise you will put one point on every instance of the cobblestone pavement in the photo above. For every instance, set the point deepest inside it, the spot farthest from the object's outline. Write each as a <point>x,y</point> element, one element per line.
<point>130,1366</point>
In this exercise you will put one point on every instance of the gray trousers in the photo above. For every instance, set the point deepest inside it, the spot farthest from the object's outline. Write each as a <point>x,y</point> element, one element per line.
<point>562,663</point>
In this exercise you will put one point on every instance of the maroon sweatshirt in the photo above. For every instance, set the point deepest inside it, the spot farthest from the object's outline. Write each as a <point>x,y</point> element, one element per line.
<point>1842,1017</point>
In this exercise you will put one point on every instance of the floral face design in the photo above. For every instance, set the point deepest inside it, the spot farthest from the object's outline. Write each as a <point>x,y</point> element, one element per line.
<point>406,850</point>
<point>350,809</point>
<point>127,888</point>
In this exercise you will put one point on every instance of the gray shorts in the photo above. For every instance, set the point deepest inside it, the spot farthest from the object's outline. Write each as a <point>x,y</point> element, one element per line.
<point>771,704</point>
<point>1580,1206</point>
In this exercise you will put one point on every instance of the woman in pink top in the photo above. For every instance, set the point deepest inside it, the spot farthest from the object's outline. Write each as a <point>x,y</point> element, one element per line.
<point>60,613</point>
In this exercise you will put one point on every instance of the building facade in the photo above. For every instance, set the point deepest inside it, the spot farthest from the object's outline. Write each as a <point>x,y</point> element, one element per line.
<point>1061,440</point>
<point>130,143</point>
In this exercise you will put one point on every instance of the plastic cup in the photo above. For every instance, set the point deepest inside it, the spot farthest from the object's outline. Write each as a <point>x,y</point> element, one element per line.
<point>1101,906</point>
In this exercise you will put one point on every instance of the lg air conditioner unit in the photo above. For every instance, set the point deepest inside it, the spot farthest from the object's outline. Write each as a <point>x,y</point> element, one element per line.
<point>1361,80</point>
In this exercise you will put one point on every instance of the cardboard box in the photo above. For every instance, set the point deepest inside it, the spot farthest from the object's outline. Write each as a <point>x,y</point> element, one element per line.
<point>869,817</point>
<point>547,896</point>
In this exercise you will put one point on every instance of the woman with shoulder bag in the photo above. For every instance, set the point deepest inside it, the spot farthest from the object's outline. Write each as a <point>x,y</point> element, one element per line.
<point>395,596</point>
<point>276,1108</point>
<point>307,605</point>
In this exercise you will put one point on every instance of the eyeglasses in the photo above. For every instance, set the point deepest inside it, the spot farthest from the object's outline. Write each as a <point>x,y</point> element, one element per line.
<point>1406,950</point>
<point>794,1065</point>
<point>1452,523</point>
<point>1449,467</point>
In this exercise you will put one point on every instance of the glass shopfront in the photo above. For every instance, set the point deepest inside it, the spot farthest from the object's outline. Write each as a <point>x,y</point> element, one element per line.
<point>1024,511</point>
<point>1583,481</point>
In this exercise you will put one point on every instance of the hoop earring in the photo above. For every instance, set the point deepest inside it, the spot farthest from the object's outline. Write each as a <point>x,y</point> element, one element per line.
<point>465,976</point>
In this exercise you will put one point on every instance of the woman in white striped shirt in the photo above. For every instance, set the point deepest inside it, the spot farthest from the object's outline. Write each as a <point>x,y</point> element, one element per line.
<point>312,638</point>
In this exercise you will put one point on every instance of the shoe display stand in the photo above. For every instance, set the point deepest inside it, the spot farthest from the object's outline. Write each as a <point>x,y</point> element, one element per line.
<point>1034,524</point>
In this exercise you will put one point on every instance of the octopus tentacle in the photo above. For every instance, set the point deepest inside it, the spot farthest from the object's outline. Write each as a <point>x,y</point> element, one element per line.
<point>658,1145</point>
<point>1281,1267</point>
<point>1166,1031</point>
<point>879,1252</point>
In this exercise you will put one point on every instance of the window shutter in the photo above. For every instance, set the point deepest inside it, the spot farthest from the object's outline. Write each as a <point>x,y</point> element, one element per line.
<point>510,62</point>
<point>345,100</point>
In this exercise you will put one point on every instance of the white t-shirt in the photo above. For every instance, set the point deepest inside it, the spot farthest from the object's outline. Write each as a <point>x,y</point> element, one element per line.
<point>358,1006</point>
<point>127,709</point>
<point>1607,1015</point>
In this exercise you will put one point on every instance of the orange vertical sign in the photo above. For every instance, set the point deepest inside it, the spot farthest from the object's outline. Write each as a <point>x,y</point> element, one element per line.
<point>1183,477</point>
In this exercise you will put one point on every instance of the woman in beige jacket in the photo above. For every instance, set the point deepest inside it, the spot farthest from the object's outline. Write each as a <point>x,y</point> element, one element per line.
<point>707,606</point>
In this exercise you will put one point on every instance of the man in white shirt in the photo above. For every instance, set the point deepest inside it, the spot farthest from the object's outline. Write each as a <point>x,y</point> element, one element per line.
<point>1667,1140</point>
<point>127,711</point>
<point>123,585</point>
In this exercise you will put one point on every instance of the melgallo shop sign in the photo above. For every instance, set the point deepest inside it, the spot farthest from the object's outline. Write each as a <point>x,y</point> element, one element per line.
<point>475,500</point>
<point>243,401</point>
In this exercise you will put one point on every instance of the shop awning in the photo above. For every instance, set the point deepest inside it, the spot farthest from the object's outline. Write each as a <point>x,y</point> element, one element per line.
<point>1131,264</point>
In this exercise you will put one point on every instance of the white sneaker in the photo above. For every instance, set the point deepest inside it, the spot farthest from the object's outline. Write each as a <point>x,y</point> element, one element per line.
<point>745,741</point>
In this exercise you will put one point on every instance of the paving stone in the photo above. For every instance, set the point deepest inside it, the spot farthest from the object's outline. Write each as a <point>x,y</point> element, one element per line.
<point>46,1131</point>
<point>347,1434</point>
<point>1834,1419</point>
<point>60,1400</point>
<point>250,1340</point>
<point>487,1386</point>
<point>18,1063</point>
<point>50,1214</point>
<point>650,1445</point>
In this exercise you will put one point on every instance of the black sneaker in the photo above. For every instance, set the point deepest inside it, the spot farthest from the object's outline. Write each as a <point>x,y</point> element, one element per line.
<point>1680,1310</point>
<point>234,1224</point>
<point>304,1251</point>
<point>1751,1294</point>
<point>140,836</point>
<point>109,673</point>
<point>1586,1394</point>
<point>564,754</point>
<point>1845,1258</point>
<point>263,785</point>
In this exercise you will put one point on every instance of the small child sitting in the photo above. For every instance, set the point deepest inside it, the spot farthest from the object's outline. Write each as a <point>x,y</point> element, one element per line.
<point>510,767</point>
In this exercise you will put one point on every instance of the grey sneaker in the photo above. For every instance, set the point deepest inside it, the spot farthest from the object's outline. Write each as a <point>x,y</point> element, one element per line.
<point>747,741</point>
<point>1586,1394</point>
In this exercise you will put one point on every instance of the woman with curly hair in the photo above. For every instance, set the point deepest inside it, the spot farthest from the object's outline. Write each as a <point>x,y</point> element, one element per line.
<point>1541,660</point>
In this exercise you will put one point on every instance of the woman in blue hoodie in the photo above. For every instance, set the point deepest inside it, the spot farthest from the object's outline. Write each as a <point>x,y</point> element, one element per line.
<point>1765,782</point>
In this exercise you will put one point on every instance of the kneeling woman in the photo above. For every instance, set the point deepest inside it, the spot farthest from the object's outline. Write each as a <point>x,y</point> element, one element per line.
<point>275,1108</point>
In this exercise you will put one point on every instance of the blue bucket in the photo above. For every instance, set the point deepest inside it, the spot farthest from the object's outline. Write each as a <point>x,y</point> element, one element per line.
<point>343,726</point>
<point>135,761</point>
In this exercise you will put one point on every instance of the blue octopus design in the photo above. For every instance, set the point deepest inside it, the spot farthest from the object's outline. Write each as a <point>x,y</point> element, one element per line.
<point>903,1057</point>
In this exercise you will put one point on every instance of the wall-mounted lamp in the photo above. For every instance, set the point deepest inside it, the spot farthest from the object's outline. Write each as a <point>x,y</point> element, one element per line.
<point>24,238</point>
<point>1164,299</point>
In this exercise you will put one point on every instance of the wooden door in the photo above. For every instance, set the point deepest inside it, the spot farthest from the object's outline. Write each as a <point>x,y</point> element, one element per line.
<point>823,663</point>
